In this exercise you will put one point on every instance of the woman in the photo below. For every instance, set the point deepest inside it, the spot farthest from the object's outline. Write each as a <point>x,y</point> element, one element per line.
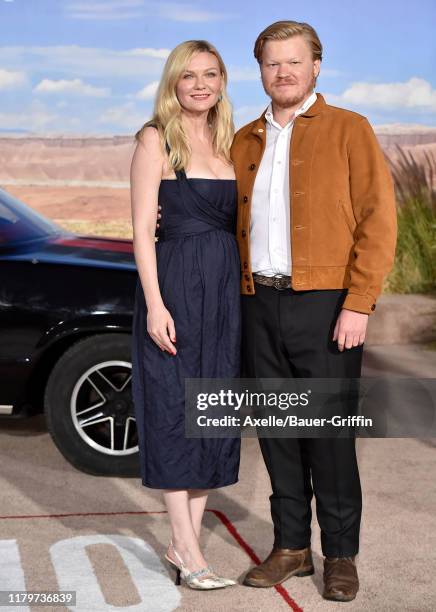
<point>188,287</point>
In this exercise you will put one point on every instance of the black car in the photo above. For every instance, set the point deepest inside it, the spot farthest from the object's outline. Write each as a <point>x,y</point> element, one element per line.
<point>66,307</point>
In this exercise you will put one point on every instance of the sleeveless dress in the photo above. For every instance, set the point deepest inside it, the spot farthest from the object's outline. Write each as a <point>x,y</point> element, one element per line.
<point>199,279</point>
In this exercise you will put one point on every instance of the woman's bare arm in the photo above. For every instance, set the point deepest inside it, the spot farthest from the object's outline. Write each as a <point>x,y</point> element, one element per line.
<point>145,177</point>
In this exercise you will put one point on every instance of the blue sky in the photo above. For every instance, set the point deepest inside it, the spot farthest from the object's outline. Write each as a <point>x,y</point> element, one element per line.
<point>91,66</point>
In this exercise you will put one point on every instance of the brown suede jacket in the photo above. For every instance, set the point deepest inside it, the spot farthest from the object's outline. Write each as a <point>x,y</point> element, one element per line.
<point>343,217</point>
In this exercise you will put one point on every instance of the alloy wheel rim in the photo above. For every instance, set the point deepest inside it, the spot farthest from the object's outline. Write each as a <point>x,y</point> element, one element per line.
<point>102,408</point>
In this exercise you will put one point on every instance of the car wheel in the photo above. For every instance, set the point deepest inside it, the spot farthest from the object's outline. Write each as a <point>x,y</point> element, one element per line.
<point>89,407</point>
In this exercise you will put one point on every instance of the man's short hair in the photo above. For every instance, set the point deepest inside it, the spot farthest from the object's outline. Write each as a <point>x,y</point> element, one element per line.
<point>282,30</point>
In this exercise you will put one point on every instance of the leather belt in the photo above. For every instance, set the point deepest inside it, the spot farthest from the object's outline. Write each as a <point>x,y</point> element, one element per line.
<point>278,281</point>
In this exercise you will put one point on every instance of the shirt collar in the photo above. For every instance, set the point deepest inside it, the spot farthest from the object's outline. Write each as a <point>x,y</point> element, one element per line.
<point>303,108</point>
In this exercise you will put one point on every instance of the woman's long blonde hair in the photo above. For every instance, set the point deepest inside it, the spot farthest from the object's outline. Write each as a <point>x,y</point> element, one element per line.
<point>167,114</point>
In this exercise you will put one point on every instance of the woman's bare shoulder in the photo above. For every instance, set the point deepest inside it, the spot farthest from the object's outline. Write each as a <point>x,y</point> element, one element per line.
<point>149,139</point>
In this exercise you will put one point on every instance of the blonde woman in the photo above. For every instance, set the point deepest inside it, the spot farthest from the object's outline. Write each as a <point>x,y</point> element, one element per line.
<point>187,304</point>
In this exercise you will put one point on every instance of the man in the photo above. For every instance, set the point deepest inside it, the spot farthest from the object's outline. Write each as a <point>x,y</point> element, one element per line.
<point>316,231</point>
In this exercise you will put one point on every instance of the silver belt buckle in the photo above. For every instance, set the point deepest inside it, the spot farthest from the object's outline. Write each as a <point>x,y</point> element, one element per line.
<point>277,281</point>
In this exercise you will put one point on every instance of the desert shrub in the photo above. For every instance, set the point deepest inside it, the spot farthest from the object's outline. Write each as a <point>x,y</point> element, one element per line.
<point>414,269</point>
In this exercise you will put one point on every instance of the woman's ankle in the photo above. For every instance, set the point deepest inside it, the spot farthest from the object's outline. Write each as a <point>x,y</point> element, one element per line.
<point>189,557</point>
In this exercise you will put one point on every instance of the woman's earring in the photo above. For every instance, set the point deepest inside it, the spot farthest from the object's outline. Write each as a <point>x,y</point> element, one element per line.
<point>220,97</point>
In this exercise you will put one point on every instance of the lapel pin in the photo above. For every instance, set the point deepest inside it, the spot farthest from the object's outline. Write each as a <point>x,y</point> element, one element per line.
<point>260,130</point>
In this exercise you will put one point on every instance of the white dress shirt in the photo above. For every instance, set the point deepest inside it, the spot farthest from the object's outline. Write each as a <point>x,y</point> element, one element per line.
<point>270,235</point>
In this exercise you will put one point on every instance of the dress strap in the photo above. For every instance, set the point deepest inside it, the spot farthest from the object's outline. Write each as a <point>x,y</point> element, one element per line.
<point>180,174</point>
<point>167,146</point>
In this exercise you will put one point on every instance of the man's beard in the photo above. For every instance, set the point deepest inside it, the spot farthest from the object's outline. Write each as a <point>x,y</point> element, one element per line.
<point>291,100</point>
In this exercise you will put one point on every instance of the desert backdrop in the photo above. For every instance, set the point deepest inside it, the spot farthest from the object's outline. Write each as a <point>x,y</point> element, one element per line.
<point>83,182</point>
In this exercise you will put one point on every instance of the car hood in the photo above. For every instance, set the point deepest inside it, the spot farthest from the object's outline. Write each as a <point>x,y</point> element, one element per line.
<point>81,250</point>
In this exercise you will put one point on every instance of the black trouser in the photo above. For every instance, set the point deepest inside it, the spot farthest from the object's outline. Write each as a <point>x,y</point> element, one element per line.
<point>288,333</point>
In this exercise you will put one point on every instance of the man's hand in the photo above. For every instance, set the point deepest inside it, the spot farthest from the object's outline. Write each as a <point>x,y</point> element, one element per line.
<point>350,329</point>
<point>158,216</point>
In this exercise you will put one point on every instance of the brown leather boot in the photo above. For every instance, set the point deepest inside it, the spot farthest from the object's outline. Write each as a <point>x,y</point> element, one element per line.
<point>281,564</point>
<point>341,582</point>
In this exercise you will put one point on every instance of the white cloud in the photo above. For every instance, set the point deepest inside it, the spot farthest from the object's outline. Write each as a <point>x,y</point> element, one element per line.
<point>147,52</point>
<point>111,10</point>
<point>11,80</point>
<point>125,117</point>
<point>404,128</point>
<point>148,92</point>
<point>28,122</point>
<point>108,10</point>
<point>74,86</point>
<point>35,118</point>
<point>188,13</point>
<point>85,62</point>
<point>38,118</point>
<point>415,94</point>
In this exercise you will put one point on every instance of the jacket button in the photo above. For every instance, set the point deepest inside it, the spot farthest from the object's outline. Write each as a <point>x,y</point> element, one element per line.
<point>245,199</point>
<point>243,233</point>
<point>245,265</point>
<point>373,307</point>
<point>252,166</point>
<point>249,288</point>
<point>247,277</point>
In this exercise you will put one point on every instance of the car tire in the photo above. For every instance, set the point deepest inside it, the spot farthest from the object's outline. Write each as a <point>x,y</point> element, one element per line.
<point>90,383</point>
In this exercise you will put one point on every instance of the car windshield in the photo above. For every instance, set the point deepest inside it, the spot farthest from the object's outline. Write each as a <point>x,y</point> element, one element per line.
<point>20,223</point>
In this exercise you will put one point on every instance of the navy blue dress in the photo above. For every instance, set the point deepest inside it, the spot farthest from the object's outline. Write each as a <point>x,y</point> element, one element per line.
<point>199,279</point>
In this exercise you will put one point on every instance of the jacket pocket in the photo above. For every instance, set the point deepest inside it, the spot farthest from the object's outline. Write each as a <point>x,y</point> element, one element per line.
<point>347,216</point>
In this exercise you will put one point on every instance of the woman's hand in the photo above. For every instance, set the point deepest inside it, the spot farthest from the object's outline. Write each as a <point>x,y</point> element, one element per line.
<point>159,208</point>
<point>160,326</point>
